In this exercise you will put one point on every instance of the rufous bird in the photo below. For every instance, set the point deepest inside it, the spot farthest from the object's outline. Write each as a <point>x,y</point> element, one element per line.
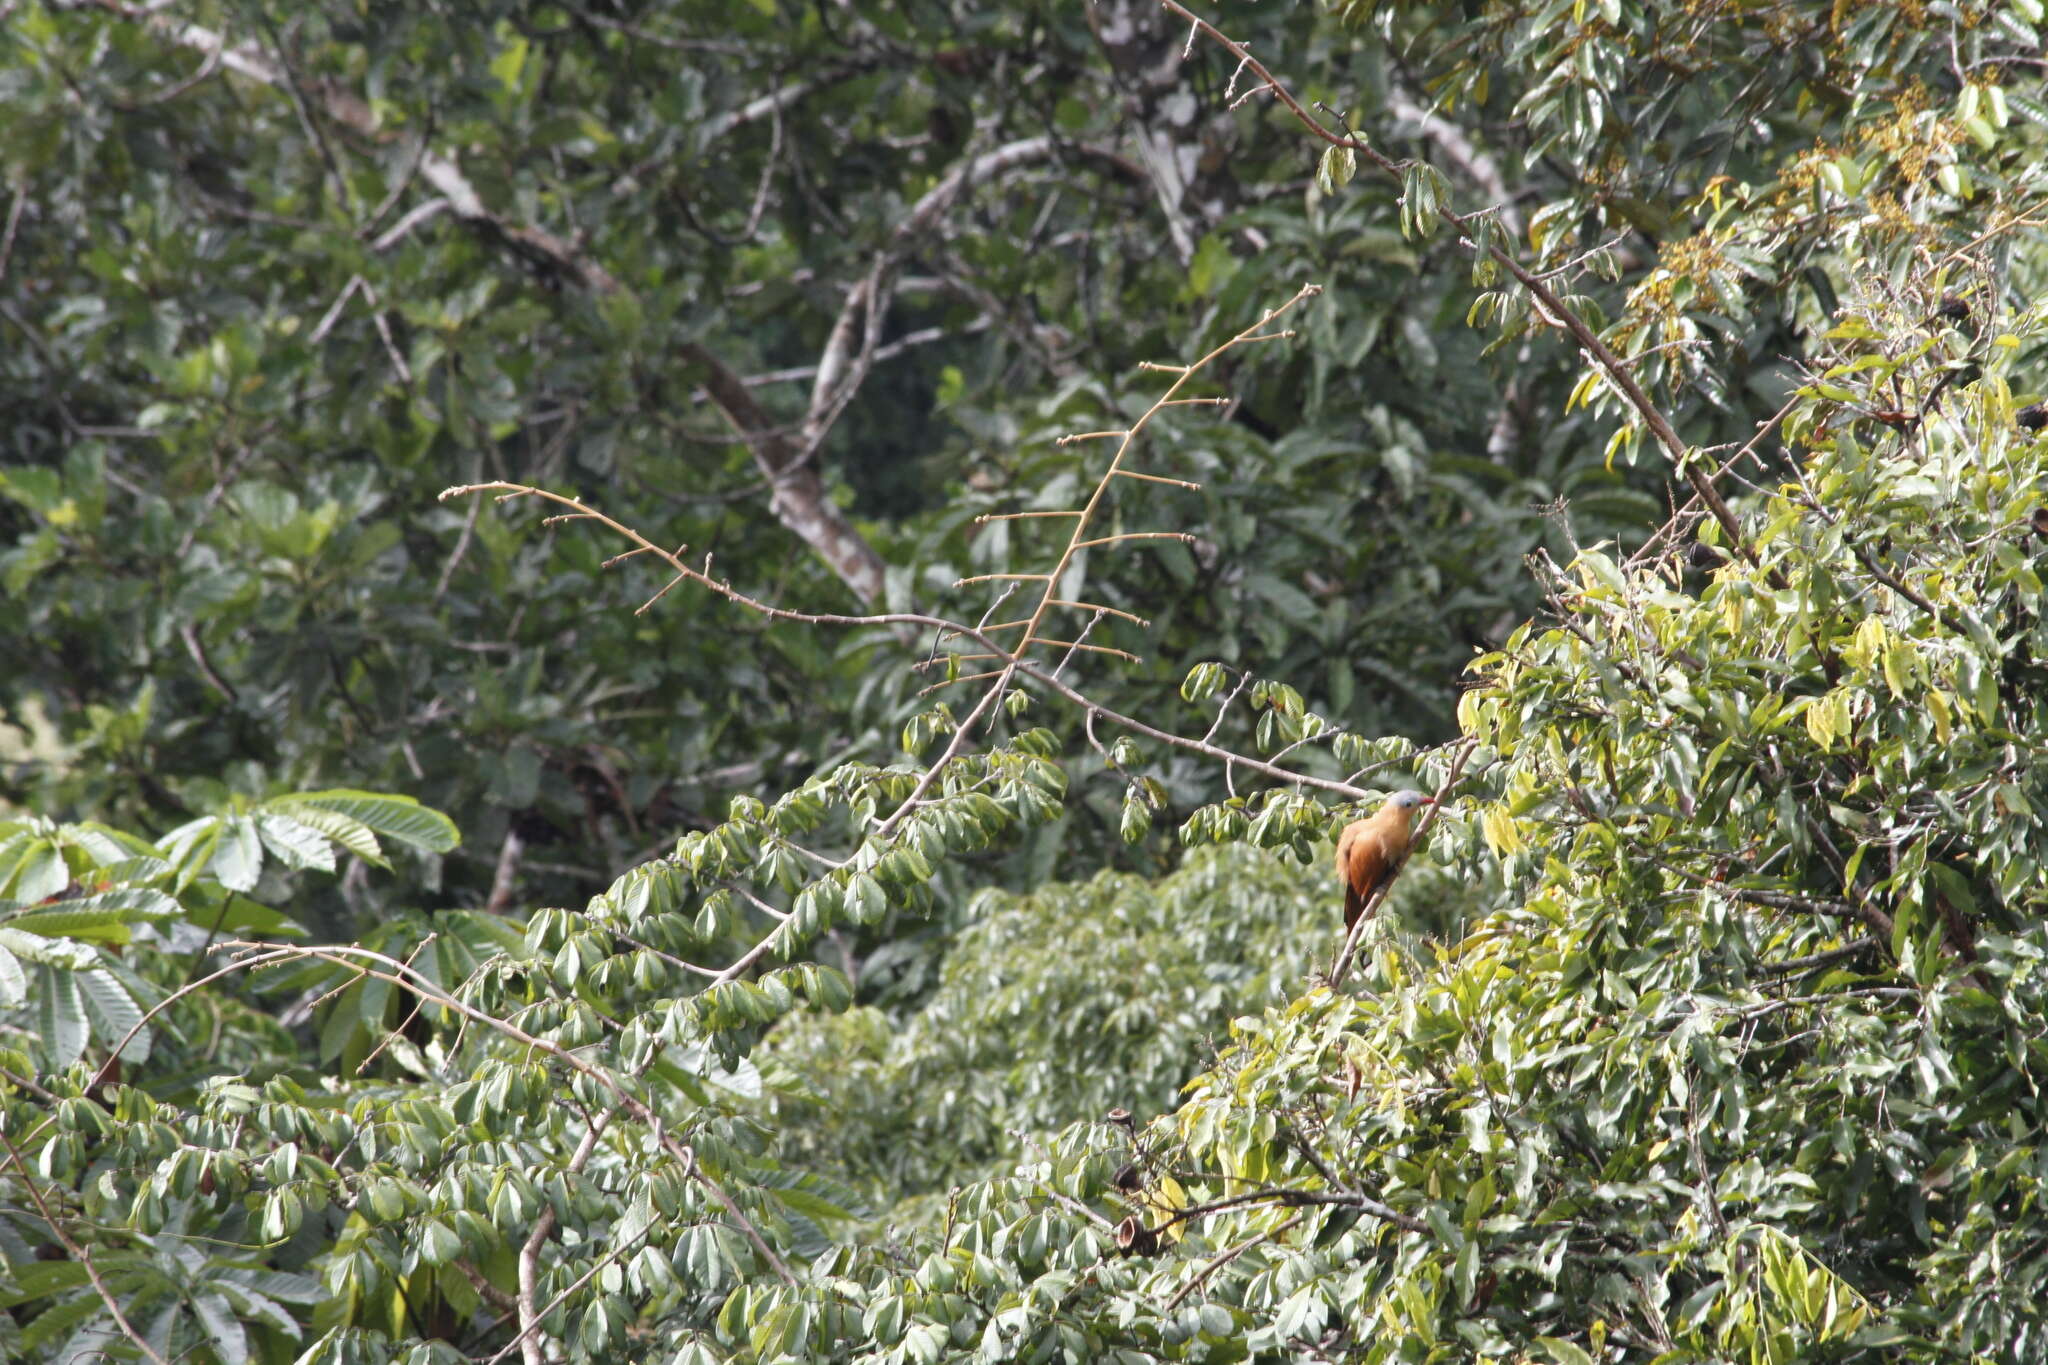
<point>1371,851</point>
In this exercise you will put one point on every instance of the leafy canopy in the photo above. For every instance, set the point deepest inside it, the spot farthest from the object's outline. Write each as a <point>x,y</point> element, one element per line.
<point>1715,1032</point>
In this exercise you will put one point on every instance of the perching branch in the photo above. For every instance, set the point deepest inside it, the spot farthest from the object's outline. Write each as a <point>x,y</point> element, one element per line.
<point>1226,1256</point>
<point>1341,964</point>
<point>1024,668</point>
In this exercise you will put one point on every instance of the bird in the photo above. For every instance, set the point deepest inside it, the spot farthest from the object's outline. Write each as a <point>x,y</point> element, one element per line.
<point>1951,309</point>
<point>1371,851</point>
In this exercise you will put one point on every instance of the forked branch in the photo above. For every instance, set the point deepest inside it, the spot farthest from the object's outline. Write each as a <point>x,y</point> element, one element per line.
<point>1079,539</point>
<point>1027,669</point>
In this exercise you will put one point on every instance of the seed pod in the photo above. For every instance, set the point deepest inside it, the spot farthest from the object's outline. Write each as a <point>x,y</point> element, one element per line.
<point>1133,1238</point>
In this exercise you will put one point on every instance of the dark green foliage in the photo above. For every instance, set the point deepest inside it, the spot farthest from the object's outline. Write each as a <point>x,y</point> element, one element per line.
<point>244,353</point>
<point>1708,1026</point>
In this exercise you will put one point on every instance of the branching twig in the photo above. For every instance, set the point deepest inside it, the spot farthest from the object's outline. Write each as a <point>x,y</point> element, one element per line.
<point>1792,966</point>
<point>1223,1258</point>
<point>1025,668</point>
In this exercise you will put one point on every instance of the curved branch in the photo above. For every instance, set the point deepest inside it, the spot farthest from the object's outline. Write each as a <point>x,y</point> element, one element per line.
<point>1023,667</point>
<point>775,101</point>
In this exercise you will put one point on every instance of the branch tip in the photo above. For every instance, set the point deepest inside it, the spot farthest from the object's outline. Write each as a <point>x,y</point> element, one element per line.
<point>1156,478</point>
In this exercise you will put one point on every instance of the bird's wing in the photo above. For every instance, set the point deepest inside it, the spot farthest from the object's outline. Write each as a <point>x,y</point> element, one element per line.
<point>1345,843</point>
<point>1361,866</point>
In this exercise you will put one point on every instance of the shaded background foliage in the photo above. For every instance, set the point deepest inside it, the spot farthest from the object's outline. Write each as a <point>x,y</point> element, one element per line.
<point>246,354</point>
<point>1714,1035</point>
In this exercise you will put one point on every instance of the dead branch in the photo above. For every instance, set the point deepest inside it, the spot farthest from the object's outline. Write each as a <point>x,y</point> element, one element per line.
<point>1021,668</point>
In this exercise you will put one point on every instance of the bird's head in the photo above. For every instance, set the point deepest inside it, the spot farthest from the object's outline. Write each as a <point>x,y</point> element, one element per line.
<point>1409,800</point>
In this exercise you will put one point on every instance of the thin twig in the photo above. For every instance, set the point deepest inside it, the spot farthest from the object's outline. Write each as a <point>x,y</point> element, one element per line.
<point>193,646</point>
<point>1792,966</point>
<point>14,211</point>
<point>1024,668</point>
<point>1223,1258</point>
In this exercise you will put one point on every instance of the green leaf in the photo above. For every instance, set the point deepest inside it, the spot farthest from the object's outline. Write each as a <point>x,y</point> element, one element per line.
<point>1564,1352</point>
<point>60,1013</point>
<point>296,845</point>
<point>222,1325</point>
<point>116,1016</point>
<point>394,817</point>
<point>1336,168</point>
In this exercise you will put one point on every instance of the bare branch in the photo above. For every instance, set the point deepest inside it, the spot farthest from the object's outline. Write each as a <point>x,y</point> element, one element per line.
<point>189,633</point>
<point>209,63</point>
<point>1023,668</point>
<point>418,214</point>
<point>14,209</point>
<point>505,876</point>
<point>775,101</point>
<point>842,367</point>
<point>1225,1257</point>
